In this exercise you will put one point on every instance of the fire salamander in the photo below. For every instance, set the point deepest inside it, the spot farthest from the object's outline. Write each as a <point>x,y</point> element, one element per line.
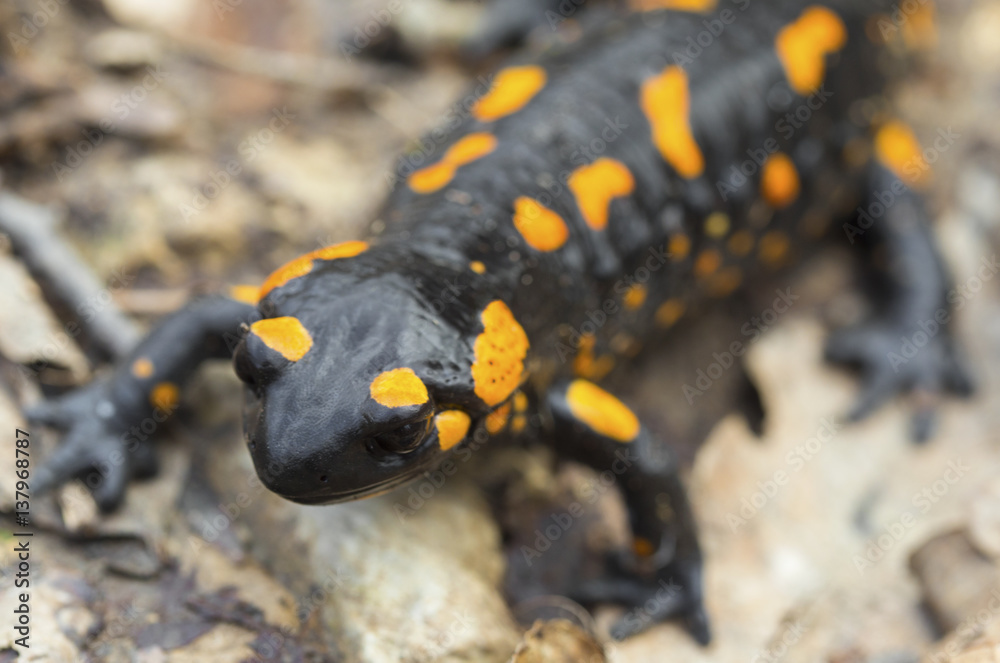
<point>688,147</point>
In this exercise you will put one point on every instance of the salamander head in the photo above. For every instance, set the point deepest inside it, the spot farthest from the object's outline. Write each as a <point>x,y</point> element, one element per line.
<point>355,385</point>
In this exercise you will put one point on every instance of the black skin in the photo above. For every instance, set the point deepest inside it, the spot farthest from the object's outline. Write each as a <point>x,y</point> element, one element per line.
<point>411,300</point>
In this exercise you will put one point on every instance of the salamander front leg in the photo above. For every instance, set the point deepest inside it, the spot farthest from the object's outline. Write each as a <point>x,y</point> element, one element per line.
<point>663,578</point>
<point>908,346</point>
<point>107,421</point>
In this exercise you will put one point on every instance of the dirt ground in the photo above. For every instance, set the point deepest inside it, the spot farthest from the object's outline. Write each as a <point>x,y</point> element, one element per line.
<point>188,146</point>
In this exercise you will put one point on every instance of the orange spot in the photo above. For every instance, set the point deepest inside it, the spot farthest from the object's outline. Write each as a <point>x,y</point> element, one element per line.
<point>286,336</point>
<point>666,101</point>
<point>717,225</point>
<point>399,387</point>
<point>165,396</point>
<point>724,282</point>
<point>452,427</point>
<point>466,150</point>
<point>497,419</point>
<point>511,91</point>
<point>707,262</point>
<point>669,312</point>
<point>518,423</point>
<point>500,351</point>
<point>679,248</point>
<point>304,264</point>
<point>596,184</point>
<point>143,368</point>
<point>477,267</point>
<point>601,411</point>
<point>520,402</point>
<point>803,45</point>
<point>920,27</point>
<point>635,297</point>
<point>248,294</point>
<point>541,228</point>
<point>779,181</point>
<point>586,365</point>
<point>741,243</point>
<point>642,547</point>
<point>773,248</point>
<point>897,149</point>
<point>677,5</point>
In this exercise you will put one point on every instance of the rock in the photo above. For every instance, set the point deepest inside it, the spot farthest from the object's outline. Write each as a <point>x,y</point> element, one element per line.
<point>122,49</point>
<point>957,580</point>
<point>558,641</point>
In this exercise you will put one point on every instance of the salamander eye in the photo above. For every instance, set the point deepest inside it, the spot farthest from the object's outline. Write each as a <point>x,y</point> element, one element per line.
<point>404,439</point>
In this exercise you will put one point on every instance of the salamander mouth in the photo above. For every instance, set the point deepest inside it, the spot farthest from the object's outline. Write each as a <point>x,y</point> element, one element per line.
<point>334,497</point>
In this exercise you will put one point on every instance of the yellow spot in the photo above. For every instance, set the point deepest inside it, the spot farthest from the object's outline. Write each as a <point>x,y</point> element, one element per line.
<point>596,184</point>
<point>304,264</point>
<point>520,402</point>
<point>779,181</point>
<point>497,419</point>
<point>286,336</point>
<point>700,6</point>
<point>452,426</point>
<point>586,365</point>
<point>635,297</point>
<point>165,396</point>
<point>717,225</point>
<point>897,149</point>
<point>143,368</point>
<point>477,267</point>
<point>773,248</point>
<point>803,45</point>
<point>642,547</point>
<point>466,150</point>
<point>518,423</point>
<point>500,351</point>
<point>741,243</point>
<point>511,91</point>
<point>601,411</point>
<point>541,228</point>
<point>707,262</point>
<point>399,387</point>
<point>669,312</point>
<point>679,248</point>
<point>724,282</point>
<point>666,101</point>
<point>248,294</point>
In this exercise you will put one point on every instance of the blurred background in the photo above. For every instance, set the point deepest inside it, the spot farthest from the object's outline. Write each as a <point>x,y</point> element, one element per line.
<point>187,146</point>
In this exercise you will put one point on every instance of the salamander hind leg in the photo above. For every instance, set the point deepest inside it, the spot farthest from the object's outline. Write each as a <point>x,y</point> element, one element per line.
<point>662,578</point>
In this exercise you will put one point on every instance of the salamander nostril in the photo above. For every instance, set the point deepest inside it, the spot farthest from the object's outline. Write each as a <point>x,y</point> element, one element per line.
<point>323,478</point>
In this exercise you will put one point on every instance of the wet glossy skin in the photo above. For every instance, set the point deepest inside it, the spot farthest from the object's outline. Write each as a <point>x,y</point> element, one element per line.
<point>588,201</point>
<point>631,224</point>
